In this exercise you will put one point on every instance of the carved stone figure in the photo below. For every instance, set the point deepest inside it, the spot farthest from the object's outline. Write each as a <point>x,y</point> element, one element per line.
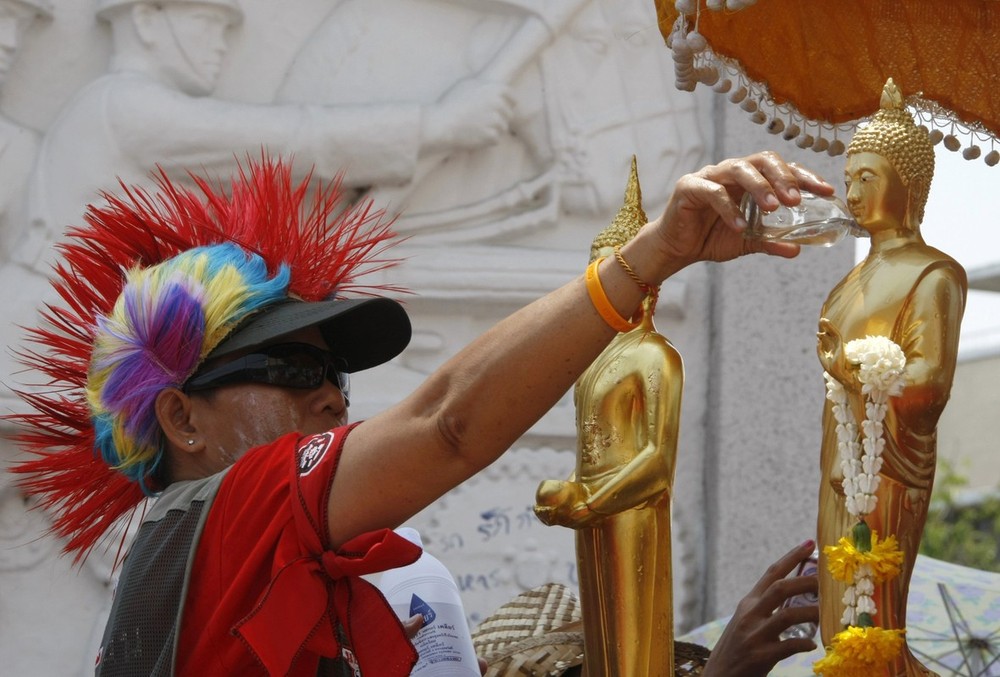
<point>153,109</point>
<point>18,145</point>
<point>914,295</point>
<point>367,50</point>
<point>556,55</point>
<point>628,406</point>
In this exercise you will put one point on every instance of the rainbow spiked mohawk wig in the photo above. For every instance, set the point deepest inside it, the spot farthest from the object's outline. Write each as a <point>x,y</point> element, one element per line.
<point>156,282</point>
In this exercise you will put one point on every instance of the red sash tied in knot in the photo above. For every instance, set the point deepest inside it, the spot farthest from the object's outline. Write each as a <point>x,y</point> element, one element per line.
<point>292,614</point>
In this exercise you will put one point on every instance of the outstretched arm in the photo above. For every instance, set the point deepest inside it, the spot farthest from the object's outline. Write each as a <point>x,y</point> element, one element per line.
<point>474,407</point>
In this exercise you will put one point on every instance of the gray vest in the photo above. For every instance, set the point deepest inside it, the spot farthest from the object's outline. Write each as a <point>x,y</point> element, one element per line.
<point>141,635</point>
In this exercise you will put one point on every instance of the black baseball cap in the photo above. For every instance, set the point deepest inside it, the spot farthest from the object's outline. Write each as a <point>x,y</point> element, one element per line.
<point>364,332</point>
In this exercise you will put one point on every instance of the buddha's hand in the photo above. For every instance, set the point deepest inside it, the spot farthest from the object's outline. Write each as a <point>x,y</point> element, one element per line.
<point>564,504</point>
<point>830,348</point>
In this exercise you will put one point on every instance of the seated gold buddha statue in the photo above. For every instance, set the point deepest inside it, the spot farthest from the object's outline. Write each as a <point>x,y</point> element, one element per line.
<point>628,405</point>
<point>913,294</point>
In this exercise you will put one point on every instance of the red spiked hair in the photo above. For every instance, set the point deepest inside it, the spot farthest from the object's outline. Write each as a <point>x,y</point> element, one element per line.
<point>325,244</point>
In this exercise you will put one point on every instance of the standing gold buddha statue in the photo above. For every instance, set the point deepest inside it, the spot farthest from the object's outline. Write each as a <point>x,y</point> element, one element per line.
<point>628,406</point>
<point>914,295</point>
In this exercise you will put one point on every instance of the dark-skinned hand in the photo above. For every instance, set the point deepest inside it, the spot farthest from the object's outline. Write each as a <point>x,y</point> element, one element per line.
<point>751,645</point>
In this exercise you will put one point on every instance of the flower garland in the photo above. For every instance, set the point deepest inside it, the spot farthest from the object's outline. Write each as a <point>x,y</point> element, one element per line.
<point>863,560</point>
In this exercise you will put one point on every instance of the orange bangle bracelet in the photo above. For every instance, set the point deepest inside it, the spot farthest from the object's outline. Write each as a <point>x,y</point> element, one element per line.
<point>601,302</point>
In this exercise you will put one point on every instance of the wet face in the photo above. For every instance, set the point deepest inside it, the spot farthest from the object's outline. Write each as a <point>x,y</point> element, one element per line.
<point>234,418</point>
<point>192,56</point>
<point>876,195</point>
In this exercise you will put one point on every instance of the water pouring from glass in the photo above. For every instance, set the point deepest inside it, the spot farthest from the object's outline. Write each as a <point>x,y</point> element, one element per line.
<point>816,220</point>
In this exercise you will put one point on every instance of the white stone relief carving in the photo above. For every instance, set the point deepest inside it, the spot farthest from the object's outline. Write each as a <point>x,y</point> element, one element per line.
<point>19,22</point>
<point>23,542</point>
<point>154,108</point>
<point>18,143</point>
<point>370,50</point>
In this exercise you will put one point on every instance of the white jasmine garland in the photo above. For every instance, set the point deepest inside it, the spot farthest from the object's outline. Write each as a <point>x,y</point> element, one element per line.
<point>866,586</point>
<point>866,605</point>
<point>881,364</point>
<point>850,600</point>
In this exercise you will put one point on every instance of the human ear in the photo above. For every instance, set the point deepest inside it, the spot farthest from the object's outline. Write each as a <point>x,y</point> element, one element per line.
<point>173,413</point>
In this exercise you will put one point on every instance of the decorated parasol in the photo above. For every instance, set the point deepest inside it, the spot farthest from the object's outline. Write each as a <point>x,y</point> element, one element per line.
<point>808,70</point>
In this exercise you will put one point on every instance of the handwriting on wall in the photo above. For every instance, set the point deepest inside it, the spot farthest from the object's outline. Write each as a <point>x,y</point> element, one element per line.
<point>499,551</point>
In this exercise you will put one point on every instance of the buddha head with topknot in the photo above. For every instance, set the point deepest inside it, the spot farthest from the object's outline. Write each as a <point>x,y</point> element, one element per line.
<point>892,134</point>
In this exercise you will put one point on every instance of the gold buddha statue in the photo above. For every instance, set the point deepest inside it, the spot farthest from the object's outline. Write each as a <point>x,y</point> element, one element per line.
<point>628,406</point>
<point>913,294</point>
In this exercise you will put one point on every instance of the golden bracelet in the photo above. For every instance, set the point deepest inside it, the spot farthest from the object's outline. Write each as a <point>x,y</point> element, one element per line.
<point>631,273</point>
<point>601,302</point>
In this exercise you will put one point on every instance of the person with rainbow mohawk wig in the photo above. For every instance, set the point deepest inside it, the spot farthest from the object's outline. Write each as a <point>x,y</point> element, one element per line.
<point>201,356</point>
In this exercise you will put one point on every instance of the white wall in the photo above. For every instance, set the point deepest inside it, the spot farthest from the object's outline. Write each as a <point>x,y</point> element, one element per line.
<point>969,430</point>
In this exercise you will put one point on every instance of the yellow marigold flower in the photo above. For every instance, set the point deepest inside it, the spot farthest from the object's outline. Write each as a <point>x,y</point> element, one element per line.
<point>885,558</point>
<point>859,652</point>
<point>843,559</point>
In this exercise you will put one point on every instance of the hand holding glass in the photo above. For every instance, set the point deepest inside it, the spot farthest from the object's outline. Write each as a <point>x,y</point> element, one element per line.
<point>816,220</point>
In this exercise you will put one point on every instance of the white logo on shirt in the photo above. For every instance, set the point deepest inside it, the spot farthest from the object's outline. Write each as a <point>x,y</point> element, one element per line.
<point>313,451</point>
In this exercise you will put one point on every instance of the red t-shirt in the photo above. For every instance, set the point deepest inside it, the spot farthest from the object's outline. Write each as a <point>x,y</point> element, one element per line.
<point>266,595</point>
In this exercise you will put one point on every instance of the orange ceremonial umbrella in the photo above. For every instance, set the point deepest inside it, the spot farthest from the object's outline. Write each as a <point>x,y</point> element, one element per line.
<point>809,69</point>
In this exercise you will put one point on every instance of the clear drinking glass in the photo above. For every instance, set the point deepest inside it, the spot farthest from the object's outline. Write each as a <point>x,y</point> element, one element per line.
<point>816,220</point>
<point>808,567</point>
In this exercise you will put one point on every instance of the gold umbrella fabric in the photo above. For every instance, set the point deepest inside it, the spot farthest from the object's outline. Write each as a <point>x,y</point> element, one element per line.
<point>828,59</point>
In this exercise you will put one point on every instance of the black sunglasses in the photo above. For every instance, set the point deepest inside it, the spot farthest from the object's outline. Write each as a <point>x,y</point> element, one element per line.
<point>288,365</point>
